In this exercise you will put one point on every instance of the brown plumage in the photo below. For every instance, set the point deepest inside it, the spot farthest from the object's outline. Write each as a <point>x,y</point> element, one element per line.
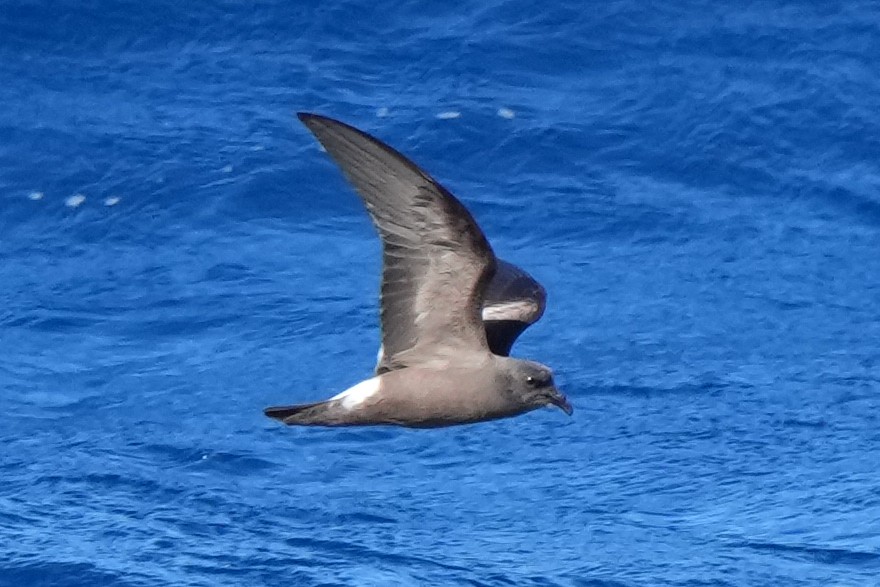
<point>437,367</point>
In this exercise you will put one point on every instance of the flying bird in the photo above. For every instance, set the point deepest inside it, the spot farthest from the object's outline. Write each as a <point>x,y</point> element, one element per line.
<point>450,309</point>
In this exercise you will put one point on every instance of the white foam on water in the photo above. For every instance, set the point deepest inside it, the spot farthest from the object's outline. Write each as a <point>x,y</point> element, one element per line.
<point>449,115</point>
<point>36,196</point>
<point>75,201</point>
<point>112,201</point>
<point>506,113</point>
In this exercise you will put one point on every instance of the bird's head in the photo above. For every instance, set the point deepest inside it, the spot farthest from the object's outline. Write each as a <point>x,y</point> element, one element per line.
<point>533,385</point>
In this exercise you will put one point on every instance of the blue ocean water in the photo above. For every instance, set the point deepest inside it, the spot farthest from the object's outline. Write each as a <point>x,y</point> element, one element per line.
<point>695,184</point>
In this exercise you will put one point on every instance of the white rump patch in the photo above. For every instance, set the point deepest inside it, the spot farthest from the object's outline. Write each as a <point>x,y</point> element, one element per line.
<point>358,394</point>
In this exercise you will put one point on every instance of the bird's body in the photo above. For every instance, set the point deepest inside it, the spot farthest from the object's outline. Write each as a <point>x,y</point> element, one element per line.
<point>450,310</point>
<point>418,397</point>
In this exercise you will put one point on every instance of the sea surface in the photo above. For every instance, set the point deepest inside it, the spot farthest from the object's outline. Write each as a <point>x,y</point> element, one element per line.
<point>696,184</point>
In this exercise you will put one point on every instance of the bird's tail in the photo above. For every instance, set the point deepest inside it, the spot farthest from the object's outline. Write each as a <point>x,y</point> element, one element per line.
<point>314,414</point>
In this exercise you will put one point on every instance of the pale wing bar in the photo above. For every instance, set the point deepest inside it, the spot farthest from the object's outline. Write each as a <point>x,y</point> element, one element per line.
<point>513,301</point>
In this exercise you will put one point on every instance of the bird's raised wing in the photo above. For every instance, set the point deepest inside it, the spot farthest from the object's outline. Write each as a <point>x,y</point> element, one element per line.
<point>436,262</point>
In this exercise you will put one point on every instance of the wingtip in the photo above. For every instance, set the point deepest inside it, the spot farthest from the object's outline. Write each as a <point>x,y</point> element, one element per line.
<point>318,122</point>
<point>306,117</point>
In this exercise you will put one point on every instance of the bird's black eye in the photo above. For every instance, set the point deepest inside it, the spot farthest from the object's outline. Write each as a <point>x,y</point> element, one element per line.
<point>532,381</point>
